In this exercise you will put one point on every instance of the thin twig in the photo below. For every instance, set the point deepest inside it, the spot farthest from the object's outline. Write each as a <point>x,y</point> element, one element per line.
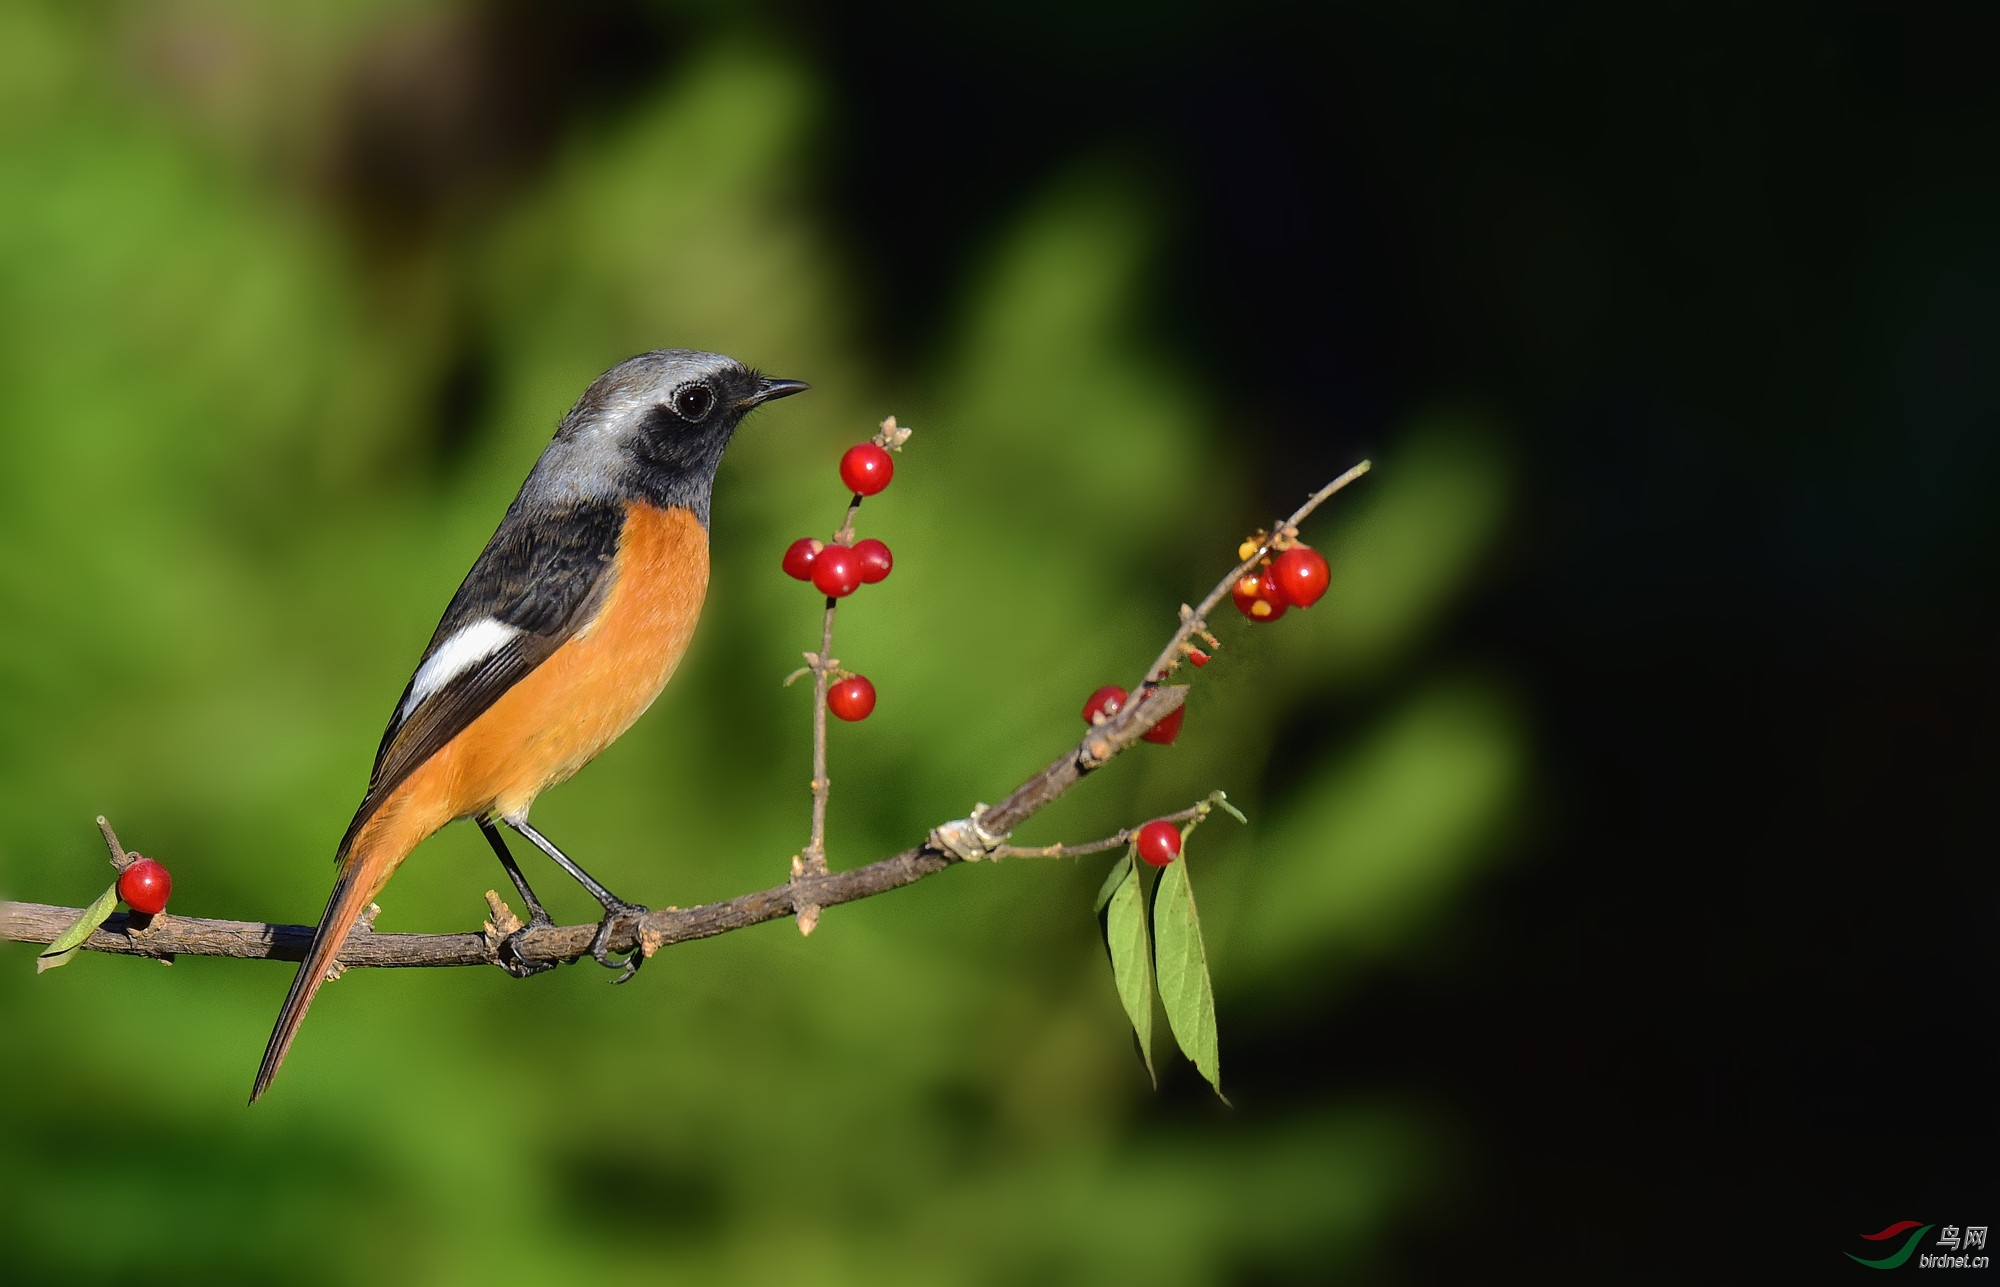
<point>845,536</point>
<point>812,860</point>
<point>1117,841</point>
<point>815,853</point>
<point>120,860</point>
<point>1194,814</point>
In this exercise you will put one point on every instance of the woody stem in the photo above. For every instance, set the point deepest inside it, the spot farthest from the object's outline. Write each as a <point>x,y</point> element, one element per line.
<point>1116,841</point>
<point>815,852</point>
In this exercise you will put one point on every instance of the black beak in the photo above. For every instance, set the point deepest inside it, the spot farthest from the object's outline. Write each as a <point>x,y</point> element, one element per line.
<point>772,390</point>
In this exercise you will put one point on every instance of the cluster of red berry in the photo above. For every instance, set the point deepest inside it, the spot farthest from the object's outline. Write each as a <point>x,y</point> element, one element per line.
<point>1295,579</point>
<point>839,570</point>
<point>1110,699</point>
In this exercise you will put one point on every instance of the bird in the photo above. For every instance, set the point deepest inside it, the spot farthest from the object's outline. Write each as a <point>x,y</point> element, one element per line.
<point>569,624</point>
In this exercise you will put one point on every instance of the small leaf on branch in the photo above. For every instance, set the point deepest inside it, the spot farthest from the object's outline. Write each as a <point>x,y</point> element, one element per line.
<point>66,943</point>
<point>1183,968</point>
<point>1112,879</point>
<point>1131,955</point>
<point>1222,802</point>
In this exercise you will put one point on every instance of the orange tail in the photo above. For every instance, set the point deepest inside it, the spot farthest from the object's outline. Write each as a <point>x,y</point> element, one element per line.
<point>362,876</point>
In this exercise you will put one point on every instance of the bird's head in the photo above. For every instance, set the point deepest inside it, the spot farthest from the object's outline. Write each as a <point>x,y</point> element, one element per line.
<point>653,428</point>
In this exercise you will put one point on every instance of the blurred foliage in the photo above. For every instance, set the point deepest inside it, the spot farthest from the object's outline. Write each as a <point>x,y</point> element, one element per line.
<point>229,518</point>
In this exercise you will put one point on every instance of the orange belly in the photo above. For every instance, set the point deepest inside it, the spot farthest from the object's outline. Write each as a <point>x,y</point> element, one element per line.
<point>573,705</point>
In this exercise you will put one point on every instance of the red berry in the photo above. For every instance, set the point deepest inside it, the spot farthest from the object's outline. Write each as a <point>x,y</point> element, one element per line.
<point>1273,594</point>
<point>851,699</point>
<point>144,885</point>
<point>1159,841</point>
<point>1245,592</point>
<point>1167,729</point>
<point>1300,575</point>
<point>837,571</point>
<point>875,560</point>
<point>1103,704</point>
<point>1257,597</point>
<point>799,556</point>
<point>1198,657</point>
<point>866,469</point>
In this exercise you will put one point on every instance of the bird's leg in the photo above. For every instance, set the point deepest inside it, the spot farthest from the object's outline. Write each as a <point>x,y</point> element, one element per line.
<point>614,906</point>
<point>509,951</point>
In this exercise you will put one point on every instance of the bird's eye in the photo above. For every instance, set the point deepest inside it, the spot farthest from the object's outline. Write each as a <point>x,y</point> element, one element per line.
<point>694,401</point>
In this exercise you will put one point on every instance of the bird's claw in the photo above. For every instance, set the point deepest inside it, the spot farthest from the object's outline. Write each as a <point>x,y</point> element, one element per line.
<point>599,946</point>
<point>509,951</point>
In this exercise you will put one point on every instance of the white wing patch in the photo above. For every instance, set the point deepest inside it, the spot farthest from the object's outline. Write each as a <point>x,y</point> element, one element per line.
<point>472,644</point>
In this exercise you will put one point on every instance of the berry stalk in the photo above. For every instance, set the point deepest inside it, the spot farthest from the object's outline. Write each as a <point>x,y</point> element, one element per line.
<point>815,850</point>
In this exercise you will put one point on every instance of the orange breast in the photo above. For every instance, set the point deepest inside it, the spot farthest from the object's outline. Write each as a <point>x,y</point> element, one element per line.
<point>577,702</point>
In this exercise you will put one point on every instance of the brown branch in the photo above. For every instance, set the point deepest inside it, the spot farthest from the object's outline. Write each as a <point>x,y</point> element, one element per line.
<point>166,936</point>
<point>822,785</point>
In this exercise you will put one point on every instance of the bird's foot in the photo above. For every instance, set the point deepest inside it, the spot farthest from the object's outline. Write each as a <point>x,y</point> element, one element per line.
<point>509,951</point>
<point>600,945</point>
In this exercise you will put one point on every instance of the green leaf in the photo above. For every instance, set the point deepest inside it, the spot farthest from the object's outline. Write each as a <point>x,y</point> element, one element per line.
<point>1112,879</point>
<point>1222,803</point>
<point>67,942</point>
<point>1131,955</point>
<point>1183,965</point>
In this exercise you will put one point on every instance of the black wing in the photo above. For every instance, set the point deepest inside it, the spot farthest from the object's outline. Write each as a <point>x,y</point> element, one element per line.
<point>545,577</point>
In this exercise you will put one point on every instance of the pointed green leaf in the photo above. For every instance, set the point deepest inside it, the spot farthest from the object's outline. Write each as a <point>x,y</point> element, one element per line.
<point>1131,955</point>
<point>1183,965</point>
<point>1112,879</point>
<point>67,942</point>
<point>1222,803</point>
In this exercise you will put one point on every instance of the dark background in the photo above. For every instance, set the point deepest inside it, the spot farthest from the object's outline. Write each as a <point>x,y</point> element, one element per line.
<point>1721,281</point>
<point>1732,274</point>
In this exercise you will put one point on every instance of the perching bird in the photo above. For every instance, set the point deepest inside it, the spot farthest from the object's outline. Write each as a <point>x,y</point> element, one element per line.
<point>569,624</point>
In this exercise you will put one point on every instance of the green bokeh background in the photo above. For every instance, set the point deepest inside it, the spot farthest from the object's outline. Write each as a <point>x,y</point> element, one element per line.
<point>228,522</point>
